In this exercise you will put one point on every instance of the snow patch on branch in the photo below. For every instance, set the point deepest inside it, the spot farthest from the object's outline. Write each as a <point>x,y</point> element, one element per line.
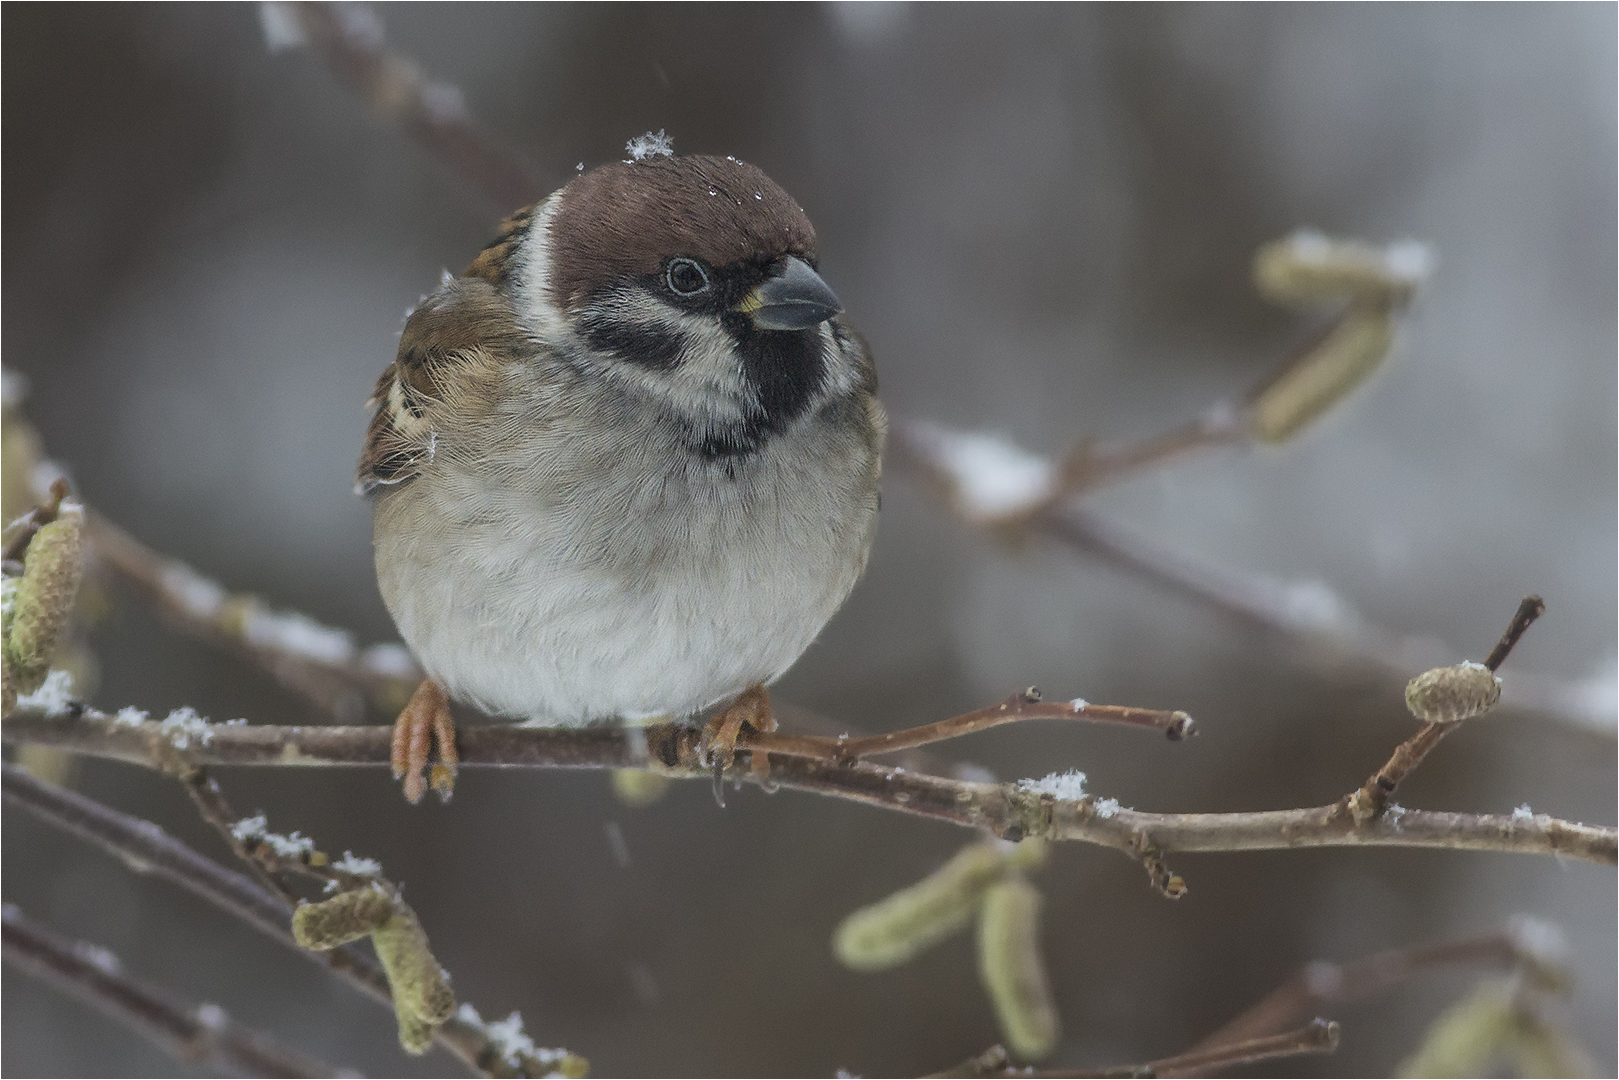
<point>1067,785</point>
<point>54,696</point>
<point>509,1040</point>
<point>290,632</point>
<point>991,477</point>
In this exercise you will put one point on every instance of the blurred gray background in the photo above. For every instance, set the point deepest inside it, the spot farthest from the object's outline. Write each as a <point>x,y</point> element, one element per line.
<point>1042,218</point>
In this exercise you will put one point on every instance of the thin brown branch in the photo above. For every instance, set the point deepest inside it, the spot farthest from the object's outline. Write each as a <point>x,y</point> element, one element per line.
<point>1322,984</point>
<point>1317,1037</point>
<point>1012,810</point>
<point>349,39</point>
<point>145,847</point>
<point>1532,608</point>
<point>197,1034</point>
<point>1023,705</point>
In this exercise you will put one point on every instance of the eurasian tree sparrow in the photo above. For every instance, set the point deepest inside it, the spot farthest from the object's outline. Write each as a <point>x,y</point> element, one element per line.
<point>626,466</point>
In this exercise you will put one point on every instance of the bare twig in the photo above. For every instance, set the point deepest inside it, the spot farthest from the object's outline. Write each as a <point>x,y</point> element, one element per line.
<point>197,1034</point>
<point>1013,810</point>
<point>146,847</point>
<point>1317,1037</point>
<point>1322,984</point>
<point>350,40</point>
<point>1532,608</point>
<point>1023,705</point>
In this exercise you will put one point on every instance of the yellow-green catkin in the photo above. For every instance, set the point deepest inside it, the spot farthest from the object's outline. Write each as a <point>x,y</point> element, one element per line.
<point>43,600</point>
<point>1010,965</point>
<point>1345,358</point>
<point>421,991</point>
<point>346,917</point>
<point>639,787</point>
<point>1467,1037</point>
<point>1448,694</point>
<point>1308,268</point>
<point>898,927</point>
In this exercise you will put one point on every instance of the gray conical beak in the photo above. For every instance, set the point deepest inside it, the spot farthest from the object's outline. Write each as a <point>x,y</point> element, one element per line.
<point>795,299</point>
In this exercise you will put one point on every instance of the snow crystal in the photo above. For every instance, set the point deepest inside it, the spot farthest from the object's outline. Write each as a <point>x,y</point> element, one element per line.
<point>298,634</point>
<point>1394,813</point>
<point>1540,940</point>
<point>1106,808</point>
<point>54,696</point>
<point>250,828</point>
<point>182,725</point>
<point>1523,813</point>
<point>351,863</point>
<point>652,144</point>
<point>1314,604</point>
<point>13,387</point>
<point>288,847</point>
<point>1068,785</point>
<point>508,1038</point>
<point>212,1017</point>
<point>993,478</point>
<point>197,596</point>
<point>281,27</point>
<point>129,716</point>
<point>1409,261</point>
<point>1079,703</point>
<point>97,957</point>
<point>390,659</point>
<point>444,103</point>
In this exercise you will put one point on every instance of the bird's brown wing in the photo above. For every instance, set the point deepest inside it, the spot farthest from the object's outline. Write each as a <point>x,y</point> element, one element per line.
<point>455,334</point>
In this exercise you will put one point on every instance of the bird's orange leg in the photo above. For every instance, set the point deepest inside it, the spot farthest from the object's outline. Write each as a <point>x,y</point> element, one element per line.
<point>718,743</point>
<point>425,719</point>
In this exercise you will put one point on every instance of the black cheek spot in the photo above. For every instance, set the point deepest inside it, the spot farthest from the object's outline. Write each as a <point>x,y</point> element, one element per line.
<point>653,347</point>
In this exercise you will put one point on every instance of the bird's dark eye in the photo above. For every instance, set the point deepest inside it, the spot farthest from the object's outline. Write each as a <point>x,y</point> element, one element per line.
<point>686,277</point>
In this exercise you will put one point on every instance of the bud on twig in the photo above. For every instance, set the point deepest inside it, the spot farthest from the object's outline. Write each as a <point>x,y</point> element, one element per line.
<point>1009,964</point>
<point>1449,694</point>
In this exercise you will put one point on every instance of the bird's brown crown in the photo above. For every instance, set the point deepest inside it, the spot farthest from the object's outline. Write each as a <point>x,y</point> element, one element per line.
<point>624,219</point>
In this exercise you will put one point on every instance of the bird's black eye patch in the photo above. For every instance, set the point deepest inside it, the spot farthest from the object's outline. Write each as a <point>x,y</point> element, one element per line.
<point>686,277</point>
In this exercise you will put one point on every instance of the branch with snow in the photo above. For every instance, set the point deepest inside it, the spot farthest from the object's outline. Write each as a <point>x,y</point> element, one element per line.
<point>1010,810</point>
<point>147,848</point>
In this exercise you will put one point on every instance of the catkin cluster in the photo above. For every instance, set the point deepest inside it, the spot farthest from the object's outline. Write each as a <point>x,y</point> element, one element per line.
<point>985,880</point>
<point>422,996</point>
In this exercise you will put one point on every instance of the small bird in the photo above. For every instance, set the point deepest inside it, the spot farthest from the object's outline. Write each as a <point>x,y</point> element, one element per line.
<point>626,466</point>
